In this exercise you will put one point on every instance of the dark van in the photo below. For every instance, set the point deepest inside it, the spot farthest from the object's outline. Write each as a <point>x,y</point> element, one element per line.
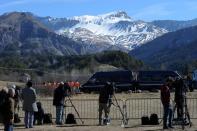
<point>121,78</point>
<point>149,80</point>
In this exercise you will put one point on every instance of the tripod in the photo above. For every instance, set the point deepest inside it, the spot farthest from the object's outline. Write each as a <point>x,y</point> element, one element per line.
<point>124,116</point>
<point>72,105</point>
<point>184,113</point>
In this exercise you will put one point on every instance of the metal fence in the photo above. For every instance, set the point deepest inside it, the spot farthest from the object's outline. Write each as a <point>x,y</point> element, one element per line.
<point>138,107</point>
<point>133,108</point>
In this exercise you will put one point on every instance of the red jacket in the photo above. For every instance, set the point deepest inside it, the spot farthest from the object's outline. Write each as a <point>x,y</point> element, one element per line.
<point>165,95</point>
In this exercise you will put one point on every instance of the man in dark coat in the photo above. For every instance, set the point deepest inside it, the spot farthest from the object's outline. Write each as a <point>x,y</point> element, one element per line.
<point>58,101</point>
<point>180,89</point>
<point>167,107</point>
<point>105,97</point>
<point>8,111</point>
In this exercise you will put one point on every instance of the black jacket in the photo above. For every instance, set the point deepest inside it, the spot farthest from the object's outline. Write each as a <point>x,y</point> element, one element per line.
<point>59,96</point>
<point>106,93</point>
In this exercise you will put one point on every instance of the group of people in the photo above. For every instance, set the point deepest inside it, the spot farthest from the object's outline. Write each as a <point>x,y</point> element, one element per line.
<point>74,85</point>
<point>28,96</point>
<point>31,107</point>
<point>9,103</point>
<point>176,84</point>
<point>179,100</point>
<point>105,101</point>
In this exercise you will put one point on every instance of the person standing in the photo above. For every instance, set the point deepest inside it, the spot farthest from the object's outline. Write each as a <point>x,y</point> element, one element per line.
<point>167,107</point>
<point>8,110</point>
<point>29,104</point>
<point>16,97</point>
<point>105,101</point>
<point>180,90</point>
<point>58,102</point>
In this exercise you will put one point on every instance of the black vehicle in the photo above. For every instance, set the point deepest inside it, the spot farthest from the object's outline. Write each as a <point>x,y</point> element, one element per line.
<point>149,80</point>
<point>121,78</point>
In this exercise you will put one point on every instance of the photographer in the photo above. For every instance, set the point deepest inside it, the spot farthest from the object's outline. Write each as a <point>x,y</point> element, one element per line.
<point>180,89</point>
<point>105,101</point>
<point>167,107</point>
<point>58,102</point>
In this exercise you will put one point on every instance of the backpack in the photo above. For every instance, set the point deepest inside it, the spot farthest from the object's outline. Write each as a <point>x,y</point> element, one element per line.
<point>47,118</point>
<point>145,120</point>
<point>154,120</point>
<point>70,119</point>
<point>16,118</point>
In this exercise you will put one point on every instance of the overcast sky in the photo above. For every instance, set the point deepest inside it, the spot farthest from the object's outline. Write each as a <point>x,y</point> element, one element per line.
<point>137,9</point>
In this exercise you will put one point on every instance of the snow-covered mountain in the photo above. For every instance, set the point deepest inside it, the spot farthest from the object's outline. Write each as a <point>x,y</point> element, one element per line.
<point>111,29</point>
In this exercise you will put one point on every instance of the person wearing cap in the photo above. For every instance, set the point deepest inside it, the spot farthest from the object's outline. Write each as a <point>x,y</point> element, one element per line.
<point>167,107</point>
<point>29,104</point>
<point>8,110</point>
<point>58,102</point>
<point>105,96</point>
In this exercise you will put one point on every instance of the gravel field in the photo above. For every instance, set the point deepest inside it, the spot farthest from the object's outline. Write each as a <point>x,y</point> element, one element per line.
<point>99,128</point>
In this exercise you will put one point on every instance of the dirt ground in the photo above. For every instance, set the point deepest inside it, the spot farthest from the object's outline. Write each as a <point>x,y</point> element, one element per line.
<point>99,128</point>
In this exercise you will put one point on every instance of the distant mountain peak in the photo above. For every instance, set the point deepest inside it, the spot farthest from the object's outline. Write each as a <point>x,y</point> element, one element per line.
<point>119,14</point>
<point>114,28</point>
<point>112,17</point>
<point>23,14</point>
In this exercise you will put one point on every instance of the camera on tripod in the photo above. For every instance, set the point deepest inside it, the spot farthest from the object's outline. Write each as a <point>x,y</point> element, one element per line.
<point>180,99</point>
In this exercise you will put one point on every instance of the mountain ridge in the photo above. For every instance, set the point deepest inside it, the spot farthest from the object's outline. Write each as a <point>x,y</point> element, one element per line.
<point>117,26</point>
<point>22,34</point>
<point>175,48</point>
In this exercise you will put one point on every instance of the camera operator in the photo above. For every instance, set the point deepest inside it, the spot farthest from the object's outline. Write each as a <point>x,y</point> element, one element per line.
<point>180,89</point>
<point>58,101</point>
<point>105,100</point>
<point>167,107</point>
